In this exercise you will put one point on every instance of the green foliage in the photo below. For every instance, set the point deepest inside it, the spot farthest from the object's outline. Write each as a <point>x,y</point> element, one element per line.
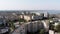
<point>51,26</point>
<point>1,25</point>
<point>12,25</point>
<point>58,28</point>
<point>22,20</point>
<point>42,31</point>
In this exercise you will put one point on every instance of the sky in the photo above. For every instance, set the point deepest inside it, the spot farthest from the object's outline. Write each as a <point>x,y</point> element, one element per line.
<point>29,4</point>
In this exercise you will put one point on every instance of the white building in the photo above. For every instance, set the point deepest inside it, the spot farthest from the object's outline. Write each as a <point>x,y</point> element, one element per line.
<point>16,24</point>
<point>37,17</point>
<point>40,25</point>
<point>29,27</point>
<point>56,23</point>
<point>34,26</point>
<point>46,25</point>
<point>51,32</point>
<point>46,14</point>
<point>37,13</point>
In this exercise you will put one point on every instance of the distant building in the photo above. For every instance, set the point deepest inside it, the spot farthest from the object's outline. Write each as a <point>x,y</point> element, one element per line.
<point>21,16</point>
<point>3,26</point>
<point>37,13</point>
<point>28,17</point>
<point>37,17</point>
<point>46,15</point>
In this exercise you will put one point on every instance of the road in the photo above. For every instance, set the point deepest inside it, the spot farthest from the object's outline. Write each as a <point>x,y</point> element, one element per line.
<point>16,31</point>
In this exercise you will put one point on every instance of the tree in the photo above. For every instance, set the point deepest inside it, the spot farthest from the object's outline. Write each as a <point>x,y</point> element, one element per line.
<point>42,31</point>
<point>22,20</point>
<point>51,26</point>
<point>11,24</point>
<point>57,28</point>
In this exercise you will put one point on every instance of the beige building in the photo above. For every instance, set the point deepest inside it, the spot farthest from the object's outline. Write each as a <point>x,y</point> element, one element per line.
<point>21,16</point>
<point>32,17</point>
<point>27,17</point>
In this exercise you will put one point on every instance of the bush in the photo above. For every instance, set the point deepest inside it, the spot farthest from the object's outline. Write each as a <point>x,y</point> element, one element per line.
<point>22,20</point>
<point>57,28</point>
<point>42,31</point>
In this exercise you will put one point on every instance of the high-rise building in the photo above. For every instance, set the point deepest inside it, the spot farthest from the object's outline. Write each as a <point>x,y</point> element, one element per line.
<point>34,26</point>
<point>29,28</point>
<point>46,14</point>
<point>23,29</point>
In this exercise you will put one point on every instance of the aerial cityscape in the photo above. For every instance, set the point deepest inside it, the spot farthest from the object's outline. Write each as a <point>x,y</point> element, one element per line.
<point>29,22</point>
<point>29,16</point>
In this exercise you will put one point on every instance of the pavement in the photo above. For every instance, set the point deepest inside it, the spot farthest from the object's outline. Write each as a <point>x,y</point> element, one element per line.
<point>16,31</point>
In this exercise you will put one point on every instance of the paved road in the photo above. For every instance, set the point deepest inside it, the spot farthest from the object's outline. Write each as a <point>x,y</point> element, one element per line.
<point>16,31</point>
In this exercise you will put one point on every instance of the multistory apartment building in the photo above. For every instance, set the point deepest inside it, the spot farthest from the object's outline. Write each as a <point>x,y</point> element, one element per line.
<point>34,26</point>
<point>23,29</point>
<point>31,27</point>
<point>40,25</point>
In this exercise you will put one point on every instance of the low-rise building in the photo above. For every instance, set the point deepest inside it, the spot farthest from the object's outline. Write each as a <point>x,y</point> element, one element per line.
<point>16,24</point>
<point>51,32</point>
<point>4,27</point>
<point>4,30</point>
